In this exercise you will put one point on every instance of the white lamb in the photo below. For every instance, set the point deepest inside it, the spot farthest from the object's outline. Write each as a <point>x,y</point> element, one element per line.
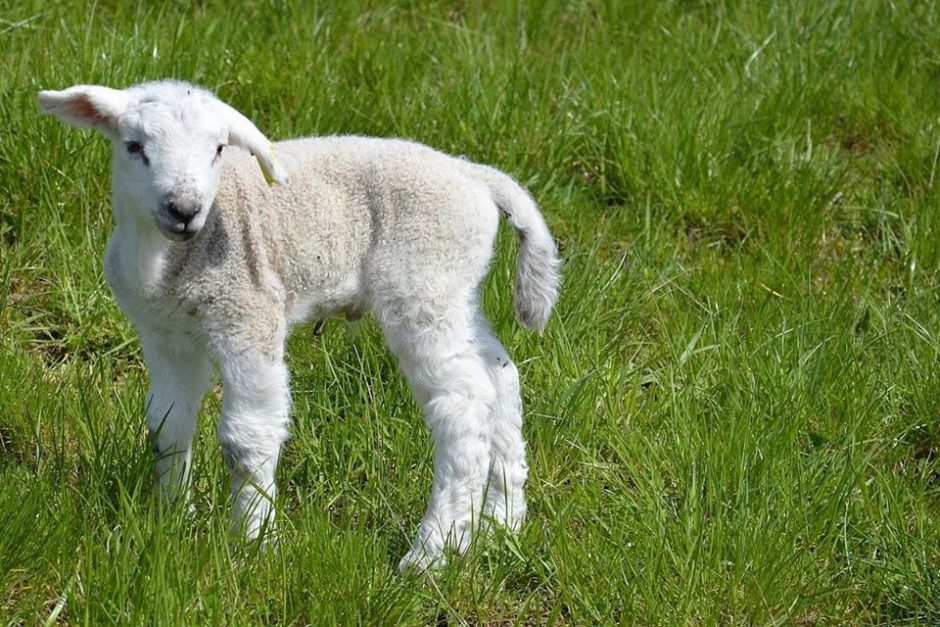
<point>214,265</point>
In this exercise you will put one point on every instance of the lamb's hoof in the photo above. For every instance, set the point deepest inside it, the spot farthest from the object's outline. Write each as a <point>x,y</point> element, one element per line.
<point>511,522</point>
<point>419,560</point>
<point>262,533</point>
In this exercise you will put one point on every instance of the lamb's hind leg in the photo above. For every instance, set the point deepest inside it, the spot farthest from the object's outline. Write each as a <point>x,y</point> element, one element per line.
<point>451,384</point>
<point>179,378</point>
<point>505,496</point>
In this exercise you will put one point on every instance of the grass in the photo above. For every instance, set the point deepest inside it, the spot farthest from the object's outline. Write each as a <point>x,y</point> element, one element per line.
<point>733,417</point>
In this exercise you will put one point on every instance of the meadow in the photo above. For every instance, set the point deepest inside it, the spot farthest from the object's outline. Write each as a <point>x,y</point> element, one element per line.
<point>733,417</point>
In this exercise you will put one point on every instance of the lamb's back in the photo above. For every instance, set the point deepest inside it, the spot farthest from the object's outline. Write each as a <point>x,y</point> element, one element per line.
<point>355,207</point>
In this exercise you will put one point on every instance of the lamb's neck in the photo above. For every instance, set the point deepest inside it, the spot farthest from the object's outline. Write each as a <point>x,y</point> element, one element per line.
<point>141,254</point>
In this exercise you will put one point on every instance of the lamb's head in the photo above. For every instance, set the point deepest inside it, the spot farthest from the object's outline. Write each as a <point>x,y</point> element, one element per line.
<point>167,138</point>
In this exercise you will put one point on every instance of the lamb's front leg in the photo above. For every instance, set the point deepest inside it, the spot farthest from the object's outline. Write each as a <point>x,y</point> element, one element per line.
<point>254,424</point>
<point>179,378</point>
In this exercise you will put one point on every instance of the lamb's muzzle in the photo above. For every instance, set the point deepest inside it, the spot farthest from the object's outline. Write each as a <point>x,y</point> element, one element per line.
<point>213,266</point>
<point>176,219</point>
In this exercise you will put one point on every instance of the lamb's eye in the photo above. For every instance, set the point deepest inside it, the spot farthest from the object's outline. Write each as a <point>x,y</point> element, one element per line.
<point>218,151</point>
<point>135,148</point>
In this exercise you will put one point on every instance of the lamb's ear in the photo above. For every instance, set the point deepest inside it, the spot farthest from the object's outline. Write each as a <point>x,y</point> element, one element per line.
<point>88,106</point>
<point>241,132</point>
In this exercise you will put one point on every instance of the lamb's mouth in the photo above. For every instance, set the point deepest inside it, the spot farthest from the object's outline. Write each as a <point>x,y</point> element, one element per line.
<point>177,231</point>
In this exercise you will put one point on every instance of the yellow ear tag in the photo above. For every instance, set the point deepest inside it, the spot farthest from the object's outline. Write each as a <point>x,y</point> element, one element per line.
<point>268,175</point>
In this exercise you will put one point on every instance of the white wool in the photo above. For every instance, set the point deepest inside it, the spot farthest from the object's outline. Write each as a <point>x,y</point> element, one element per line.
<point>214,266</point>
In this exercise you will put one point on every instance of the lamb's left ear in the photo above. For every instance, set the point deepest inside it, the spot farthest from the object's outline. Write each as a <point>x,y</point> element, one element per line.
<point>90,106</point>
<point>241,132</point>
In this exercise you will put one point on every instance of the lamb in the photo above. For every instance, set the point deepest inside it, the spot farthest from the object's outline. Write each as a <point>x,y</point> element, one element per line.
<point>214,261</point>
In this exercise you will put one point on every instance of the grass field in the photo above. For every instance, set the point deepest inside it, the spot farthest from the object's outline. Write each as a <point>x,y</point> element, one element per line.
<point>733,417</point>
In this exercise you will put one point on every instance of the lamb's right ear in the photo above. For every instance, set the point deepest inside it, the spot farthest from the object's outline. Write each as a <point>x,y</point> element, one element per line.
<point>89,106</point>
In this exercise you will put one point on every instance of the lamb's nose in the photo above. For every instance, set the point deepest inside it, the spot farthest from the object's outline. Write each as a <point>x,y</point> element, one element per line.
<point>181,212</point>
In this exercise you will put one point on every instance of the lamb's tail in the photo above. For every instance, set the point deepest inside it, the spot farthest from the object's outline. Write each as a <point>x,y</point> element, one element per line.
<point>537,270</point>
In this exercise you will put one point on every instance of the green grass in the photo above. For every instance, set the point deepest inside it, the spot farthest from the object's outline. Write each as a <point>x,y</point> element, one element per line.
<point>733,417</point>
